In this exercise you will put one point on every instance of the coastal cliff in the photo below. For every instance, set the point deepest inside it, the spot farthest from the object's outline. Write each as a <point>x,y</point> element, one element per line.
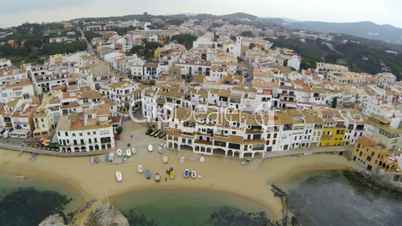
<point>94,213</point>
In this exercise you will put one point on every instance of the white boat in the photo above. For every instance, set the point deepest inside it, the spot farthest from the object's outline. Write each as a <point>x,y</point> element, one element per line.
<point>140,168</point>
<point>165,159</point>
<point>150,148</point>
<point>133,151</point>
<point>194,174</point>
<point>202,159</point>
<point>119,176</point>
<point>119,152</point>
<point>128,152</point>
<point>157,177</point>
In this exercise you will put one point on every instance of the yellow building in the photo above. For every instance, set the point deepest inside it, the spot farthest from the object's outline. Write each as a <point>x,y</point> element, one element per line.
<point>333,131</point>
<point>332,136</point>
<point>373,156</point>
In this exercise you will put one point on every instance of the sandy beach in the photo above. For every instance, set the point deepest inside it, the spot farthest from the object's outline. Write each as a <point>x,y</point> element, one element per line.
<point>218,174</point>
<point>98,181</point>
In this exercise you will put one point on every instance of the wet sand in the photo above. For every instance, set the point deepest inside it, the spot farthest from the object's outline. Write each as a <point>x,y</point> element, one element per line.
<point>218,174</point>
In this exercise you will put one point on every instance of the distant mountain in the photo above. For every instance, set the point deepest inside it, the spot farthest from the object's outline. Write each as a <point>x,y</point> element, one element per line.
<point>239,16</point>
<point>368,30</point>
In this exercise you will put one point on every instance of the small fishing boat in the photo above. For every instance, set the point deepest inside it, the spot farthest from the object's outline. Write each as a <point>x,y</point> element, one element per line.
<point>202,159</point>
<point>150,148</point>
<point>133,151</point>
<point>165,159</point>
<point>119,152</point>
<point>128,152</point>
<point>157,177</point>
<point>147,174</point>
<point>140,169</point>
<point>172,175</point>
<point>194,174</point>
<point>187,173</point>
<point>119,176</point>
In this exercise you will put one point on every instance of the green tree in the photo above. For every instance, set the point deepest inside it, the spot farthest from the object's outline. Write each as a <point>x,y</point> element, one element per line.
<point>185,39</point>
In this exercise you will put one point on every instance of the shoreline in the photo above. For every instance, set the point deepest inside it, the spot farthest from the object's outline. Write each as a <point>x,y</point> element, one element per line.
<point>219,175</point>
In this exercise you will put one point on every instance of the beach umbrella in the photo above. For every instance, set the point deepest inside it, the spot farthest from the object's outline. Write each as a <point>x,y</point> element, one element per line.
<point>165,159</point>
<point>202,159</point>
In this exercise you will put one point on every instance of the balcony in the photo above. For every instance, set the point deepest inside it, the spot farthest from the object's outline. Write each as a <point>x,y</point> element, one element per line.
<point>203,142</point>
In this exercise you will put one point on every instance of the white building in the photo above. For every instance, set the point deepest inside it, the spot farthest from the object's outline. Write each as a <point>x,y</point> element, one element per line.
<point>85,133</point>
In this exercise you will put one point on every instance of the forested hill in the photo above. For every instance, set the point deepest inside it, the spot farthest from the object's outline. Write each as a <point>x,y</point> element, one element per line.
<point>361,55</point>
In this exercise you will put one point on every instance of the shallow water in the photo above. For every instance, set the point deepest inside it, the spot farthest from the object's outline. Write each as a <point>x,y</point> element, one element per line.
<point>338,199</point>
<point>9,184</point>
<point>181,207</point>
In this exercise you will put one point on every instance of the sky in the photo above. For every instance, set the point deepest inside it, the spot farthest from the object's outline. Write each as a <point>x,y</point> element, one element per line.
<point>14,12</point>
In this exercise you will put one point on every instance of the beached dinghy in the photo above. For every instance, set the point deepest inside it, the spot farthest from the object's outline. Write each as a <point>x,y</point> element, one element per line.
<point>140,169</point>
<point>150,148</point>
<point>157,177</point>
<point>187,173</point>
<point>165,159</point>
<point>202,159</point>
<point>119,176</point>
<point>128,152</point>
<point>147,174</point>
<point>119,152</point>
<point>194,174</point>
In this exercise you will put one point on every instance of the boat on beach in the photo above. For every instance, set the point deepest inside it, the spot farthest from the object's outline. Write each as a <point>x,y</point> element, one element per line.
<point>157,177</point>
<point>150,148</point>
<point>119,176</point>
<point>165,159</point>
<point>147,174</point>
<point>128,152</point>
<point>119,152</point>
<point>133,151</point>
<point>202,159</point>
<point>194,174</point>
<point>187,173</point>
<point>140,169</point>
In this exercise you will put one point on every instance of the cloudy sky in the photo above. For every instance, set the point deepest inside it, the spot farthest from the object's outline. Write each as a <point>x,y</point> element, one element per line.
<point>13,12</point>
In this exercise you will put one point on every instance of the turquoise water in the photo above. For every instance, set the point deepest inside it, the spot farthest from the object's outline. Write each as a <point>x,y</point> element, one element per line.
<point>182,207</point>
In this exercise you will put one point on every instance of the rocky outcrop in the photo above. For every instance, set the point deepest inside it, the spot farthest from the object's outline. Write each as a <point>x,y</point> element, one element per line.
<point>53,220</point>
<point>104,214</point>
<point>94,213</point>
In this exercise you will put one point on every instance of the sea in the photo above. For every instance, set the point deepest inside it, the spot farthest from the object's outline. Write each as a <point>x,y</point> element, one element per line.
<point>326,198</point>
